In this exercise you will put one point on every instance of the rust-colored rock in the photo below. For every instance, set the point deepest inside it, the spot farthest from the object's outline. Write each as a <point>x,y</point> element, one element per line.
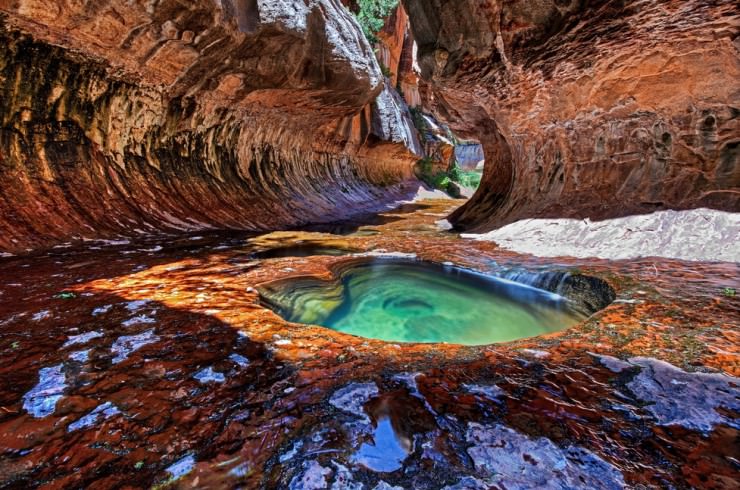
<point>127,117</point>
<point>391,42</point>
<point>196,378</point>
<point>595,109</point>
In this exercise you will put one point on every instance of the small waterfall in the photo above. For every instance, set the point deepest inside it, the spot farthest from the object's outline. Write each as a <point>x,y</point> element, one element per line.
<point>554,282</point>
<point>587,293</point>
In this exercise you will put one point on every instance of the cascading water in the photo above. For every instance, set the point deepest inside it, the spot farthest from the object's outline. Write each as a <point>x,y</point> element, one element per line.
<point>586,293</point>
<point>553,281</point>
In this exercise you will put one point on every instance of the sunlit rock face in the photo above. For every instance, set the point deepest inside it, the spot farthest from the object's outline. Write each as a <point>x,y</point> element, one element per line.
<point>128,117</point>
<point>587,109</point>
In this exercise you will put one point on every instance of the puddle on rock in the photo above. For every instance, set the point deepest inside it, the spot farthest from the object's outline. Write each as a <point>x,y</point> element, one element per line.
<point>389,445</point>
<point>412,301</point>
<point>386,453</point>
<point>301,250</point>
<point>42,399</point>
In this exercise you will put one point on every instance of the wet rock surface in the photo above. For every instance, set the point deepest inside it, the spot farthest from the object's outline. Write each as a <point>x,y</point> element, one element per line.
<point>224,393</point>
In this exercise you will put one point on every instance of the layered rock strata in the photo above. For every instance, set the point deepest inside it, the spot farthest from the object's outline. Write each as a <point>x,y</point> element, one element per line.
<point>391,42</point>
<point>396,50</point>
<point>125,117</point>
<point>587,109</point>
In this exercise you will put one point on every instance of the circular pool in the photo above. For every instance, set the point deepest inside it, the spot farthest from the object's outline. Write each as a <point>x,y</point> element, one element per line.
<point>400,300</point>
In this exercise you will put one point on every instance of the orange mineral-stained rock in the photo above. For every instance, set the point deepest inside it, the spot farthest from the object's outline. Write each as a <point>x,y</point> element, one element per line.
<point>127,118</point>
<point>132,363</point>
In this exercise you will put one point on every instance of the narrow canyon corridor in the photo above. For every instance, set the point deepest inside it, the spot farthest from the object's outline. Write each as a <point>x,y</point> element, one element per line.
<point>369,244</point>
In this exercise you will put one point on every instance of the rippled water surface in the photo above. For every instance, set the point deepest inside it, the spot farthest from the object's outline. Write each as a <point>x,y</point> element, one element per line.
<point>413,301</point>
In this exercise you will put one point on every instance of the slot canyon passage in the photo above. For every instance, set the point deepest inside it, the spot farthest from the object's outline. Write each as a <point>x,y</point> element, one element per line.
<point>311,244</point>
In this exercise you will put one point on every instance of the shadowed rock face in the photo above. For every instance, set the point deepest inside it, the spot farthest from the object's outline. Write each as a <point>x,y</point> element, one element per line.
<point>587,109</point>
<point>126,117</point>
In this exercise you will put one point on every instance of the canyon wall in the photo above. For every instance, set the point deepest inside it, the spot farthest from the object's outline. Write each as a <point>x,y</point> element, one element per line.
<point>397,52</point>
<point>121,117</point>
<point>587,109</point>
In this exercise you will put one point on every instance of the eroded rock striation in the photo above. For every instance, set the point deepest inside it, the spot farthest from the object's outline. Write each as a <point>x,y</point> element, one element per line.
<point>126,117</point>
<point>587,109</point>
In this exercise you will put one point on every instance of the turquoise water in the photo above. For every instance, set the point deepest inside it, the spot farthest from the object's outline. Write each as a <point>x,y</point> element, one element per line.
<point>412,301</point>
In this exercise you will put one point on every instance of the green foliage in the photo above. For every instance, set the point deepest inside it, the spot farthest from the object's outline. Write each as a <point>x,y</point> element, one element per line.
<point>470,179</point>
<point>424,167</point>
<point>372,16</point>
<point>417,116</point>
<point>441,181</point>
<point>399,89</point>
<point>446,181</point>
<point>729,292</point>
<point>65,295</point>
<point>436,180</point>
<point>386,71</point>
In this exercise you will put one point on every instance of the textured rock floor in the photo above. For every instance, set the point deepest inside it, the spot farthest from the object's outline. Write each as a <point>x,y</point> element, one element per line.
<point>134,364</point>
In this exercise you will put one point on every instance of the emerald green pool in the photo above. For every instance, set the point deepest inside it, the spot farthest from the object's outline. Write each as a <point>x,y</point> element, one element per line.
<point>412,301</point>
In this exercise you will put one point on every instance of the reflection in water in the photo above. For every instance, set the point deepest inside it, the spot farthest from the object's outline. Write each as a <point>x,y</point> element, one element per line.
<point>300,250</point>
<point>209,375</point>
<point>42,400</point>
<point>391,442</point>
<point>412,301</point>
<point>80,355</point>
<point>102,412</point>
<point>181,467</point>
<point>387,452</point>
<point>82,338</point>
<point>239,359</point>
<point>125,345</point>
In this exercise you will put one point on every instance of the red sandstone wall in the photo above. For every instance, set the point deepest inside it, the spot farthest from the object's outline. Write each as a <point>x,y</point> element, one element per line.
<point>600,109</point>
<point>118,118</point>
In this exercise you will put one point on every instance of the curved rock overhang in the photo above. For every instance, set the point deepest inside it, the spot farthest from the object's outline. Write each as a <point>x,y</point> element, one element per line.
<point>119,118</point>
<point>593,109</point>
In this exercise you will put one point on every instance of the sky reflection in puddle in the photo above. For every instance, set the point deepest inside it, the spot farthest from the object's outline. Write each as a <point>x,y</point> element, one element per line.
<point>41,401</point>
<point>387,452</point>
